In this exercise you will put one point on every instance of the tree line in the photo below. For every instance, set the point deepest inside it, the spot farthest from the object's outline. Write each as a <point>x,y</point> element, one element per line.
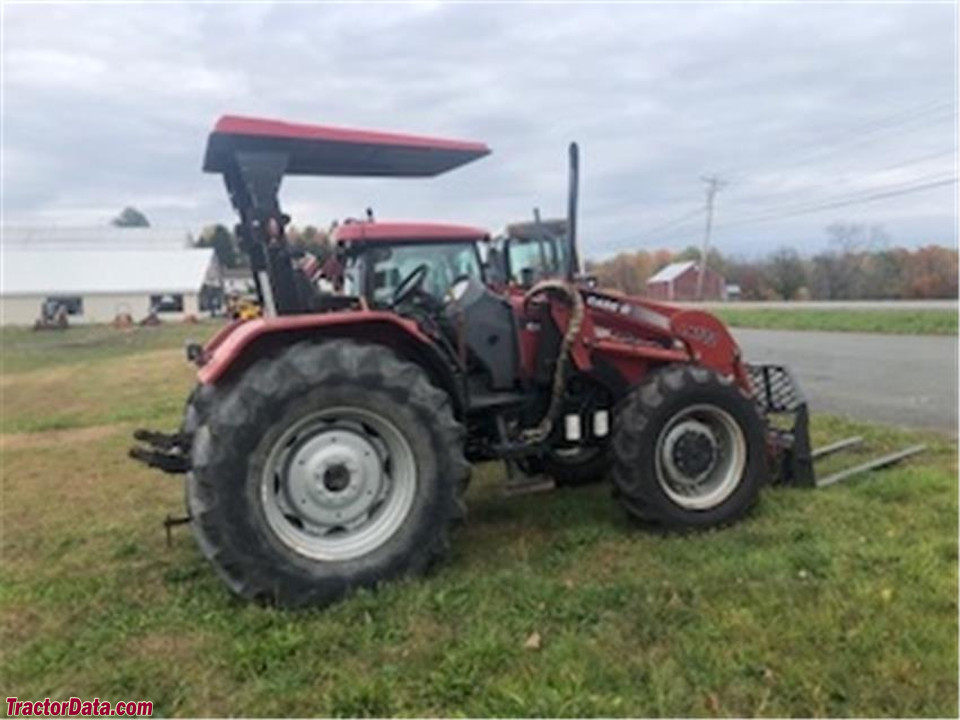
<point>858,263</point>
<point>309,239</point>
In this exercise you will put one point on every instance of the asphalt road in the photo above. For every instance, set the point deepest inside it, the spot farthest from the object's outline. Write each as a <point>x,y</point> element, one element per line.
<point>903,380</point>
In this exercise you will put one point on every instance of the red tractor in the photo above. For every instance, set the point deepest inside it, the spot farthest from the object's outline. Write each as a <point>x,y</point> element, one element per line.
<point>327,445</point>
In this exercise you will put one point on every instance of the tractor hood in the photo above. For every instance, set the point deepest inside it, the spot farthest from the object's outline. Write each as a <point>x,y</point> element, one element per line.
<point>324,150</point>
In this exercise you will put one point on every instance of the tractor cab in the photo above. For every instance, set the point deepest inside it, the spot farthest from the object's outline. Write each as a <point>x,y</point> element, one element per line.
<point>433,274</point>
<point>528,252</point>
<point>387,262</point>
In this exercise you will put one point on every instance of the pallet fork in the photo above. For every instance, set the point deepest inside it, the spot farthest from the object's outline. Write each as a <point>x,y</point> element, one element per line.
<point>780,399</point>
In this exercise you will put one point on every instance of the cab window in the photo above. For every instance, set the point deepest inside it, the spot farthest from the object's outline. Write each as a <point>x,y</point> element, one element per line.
<point>536,256</point>
<point>386,267</point>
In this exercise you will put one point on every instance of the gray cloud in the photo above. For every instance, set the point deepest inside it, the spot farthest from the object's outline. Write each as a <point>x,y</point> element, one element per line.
<point>110,105</point>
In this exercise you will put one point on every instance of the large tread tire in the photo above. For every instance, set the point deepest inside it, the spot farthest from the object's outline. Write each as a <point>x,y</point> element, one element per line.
<point>235,434</point>
<point>639,420</point>
<point>195,409</point>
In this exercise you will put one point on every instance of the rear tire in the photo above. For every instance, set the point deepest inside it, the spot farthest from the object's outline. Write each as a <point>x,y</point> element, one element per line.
<point>689,450</point>
<point>318,432</point>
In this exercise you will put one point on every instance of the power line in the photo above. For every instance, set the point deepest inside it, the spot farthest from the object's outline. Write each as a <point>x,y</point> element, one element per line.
<point>848,178</point>
<point>671,223</point>
<point>642,234</point>
<point>826,204</point>
<point>923,114</point>
<point>866,132</point>
<point>844,203</point>
<point>801,202</point>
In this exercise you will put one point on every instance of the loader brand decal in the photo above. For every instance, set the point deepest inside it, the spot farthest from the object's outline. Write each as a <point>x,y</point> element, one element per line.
<point>699,334</point>
<point>616,307</point>
<point>75,707</point>
<point>608,304</point>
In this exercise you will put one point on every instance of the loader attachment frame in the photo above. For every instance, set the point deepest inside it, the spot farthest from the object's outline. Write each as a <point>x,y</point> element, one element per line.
<point>784,406</point>
<point>779,397</point>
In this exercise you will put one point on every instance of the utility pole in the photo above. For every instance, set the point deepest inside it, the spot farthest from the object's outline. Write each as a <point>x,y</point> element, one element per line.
<point>714,185</point>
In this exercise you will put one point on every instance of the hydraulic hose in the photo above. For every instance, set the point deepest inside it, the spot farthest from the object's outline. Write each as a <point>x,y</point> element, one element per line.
<point>562,288</point>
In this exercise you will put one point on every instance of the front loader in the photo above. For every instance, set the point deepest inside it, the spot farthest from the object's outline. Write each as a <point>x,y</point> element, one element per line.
<point>327,445</point>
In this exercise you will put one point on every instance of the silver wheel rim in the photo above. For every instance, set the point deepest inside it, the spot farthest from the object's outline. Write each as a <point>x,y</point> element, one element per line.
<point>338,484</point>
<point>701,455</point>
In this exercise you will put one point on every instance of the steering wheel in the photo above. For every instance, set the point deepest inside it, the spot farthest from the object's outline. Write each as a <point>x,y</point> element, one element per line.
<point>410,284</point>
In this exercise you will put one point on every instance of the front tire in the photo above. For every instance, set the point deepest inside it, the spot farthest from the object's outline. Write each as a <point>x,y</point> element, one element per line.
<point>689,450</point>
<point>327,468</point>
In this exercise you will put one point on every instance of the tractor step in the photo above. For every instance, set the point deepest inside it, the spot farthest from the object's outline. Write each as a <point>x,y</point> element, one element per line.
<point>520,483</point>
<point>529,486</point>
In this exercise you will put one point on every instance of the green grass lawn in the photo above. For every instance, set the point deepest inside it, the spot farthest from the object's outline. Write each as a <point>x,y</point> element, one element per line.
<point>833,602</point>
<point>899,322</point>
<point>23,349</point>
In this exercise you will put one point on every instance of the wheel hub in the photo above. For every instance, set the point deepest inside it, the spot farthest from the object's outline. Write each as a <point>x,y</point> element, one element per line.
<point>694,452</point>
<point>338,483</point>
<point>690,451</point>
<point>334,477</point>
<point>700,457</point>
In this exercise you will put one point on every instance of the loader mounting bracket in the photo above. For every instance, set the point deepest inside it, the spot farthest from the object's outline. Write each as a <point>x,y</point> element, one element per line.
<point>784,406</point>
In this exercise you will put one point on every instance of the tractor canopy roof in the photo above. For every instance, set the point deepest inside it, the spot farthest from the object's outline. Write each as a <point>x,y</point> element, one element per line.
<point>406,232</point>
<point>324,150</point>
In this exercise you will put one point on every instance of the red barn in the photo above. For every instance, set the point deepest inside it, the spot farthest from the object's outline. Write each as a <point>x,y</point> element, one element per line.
<point>678,282</point>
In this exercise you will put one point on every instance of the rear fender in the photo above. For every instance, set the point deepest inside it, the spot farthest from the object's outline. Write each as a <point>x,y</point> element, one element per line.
<point>241,344</point>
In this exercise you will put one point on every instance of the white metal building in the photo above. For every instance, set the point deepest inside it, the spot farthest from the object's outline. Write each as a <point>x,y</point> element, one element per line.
<point>97,284</point>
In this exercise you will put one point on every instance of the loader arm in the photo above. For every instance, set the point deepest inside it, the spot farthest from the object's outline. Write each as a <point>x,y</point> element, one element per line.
<point>628,326</point>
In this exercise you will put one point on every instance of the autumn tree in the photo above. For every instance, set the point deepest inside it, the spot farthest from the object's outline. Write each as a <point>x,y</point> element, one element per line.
<point>931,272</point>
<point>752,279</point>
<point>715,259</point>
<point>223,243</point>
<point>315,241</point>
<point>625,271</point>
<point>786,273</point>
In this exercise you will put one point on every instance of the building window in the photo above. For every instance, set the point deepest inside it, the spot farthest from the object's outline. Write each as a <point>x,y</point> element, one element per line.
<point>73,304</point>
<point>166,303</point>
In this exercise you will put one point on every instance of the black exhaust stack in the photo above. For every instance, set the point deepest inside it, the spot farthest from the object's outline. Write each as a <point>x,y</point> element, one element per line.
<point>573,267</point>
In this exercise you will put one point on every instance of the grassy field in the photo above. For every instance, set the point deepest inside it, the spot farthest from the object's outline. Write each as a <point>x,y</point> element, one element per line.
<point>899,322</point>
<point>835,602</point>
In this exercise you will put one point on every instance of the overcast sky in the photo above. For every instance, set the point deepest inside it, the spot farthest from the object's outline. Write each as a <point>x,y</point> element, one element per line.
<point>795,106</point>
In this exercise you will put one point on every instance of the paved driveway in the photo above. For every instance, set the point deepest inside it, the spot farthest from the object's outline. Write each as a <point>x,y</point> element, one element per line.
<point>904,380</point>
